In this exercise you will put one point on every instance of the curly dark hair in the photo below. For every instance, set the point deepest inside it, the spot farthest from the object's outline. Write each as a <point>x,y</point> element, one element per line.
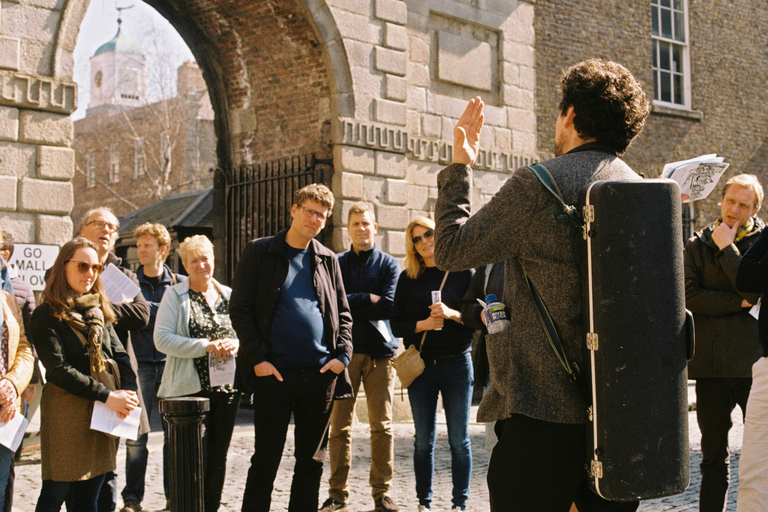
<point>609,103</point>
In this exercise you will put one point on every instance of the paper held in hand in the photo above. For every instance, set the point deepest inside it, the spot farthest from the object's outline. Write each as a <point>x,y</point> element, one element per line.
<point>106,420</point>
<point>118,287</point>
<point>221,371</point>
<point>12,433</point>
<point>698,176</point>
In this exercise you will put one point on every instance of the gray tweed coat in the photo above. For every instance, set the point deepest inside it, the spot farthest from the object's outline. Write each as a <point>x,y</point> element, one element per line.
<point>516,226</point>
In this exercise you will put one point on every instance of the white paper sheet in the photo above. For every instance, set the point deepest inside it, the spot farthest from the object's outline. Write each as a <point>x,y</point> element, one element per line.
<point>698,176</point>
<point>221,371</point>
<point>106,420</point>
<point>12,433</point>
<point>755,310</point>
<point>118,287</point>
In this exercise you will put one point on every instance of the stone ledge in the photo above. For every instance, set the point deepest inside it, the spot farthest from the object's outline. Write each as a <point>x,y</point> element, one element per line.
<point>37,92</point>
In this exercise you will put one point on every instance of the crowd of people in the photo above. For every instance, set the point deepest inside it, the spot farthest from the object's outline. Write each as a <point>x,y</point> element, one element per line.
<point>308,328</point>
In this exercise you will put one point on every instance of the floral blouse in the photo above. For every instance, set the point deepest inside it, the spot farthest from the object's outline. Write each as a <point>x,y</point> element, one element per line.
<point>213,325</point>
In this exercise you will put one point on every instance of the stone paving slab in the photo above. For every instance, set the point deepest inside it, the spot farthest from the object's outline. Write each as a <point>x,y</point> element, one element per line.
<point>28,472</point>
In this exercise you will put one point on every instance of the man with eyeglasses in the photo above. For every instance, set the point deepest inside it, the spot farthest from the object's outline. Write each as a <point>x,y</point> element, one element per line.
<point>101,227</point>
<point>290,312</point>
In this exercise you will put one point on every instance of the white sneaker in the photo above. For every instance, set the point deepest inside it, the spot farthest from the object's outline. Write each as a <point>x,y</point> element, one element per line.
<point>424,508</point>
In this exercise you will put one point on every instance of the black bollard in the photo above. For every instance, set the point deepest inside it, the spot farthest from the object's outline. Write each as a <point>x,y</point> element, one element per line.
<point>185,442</point>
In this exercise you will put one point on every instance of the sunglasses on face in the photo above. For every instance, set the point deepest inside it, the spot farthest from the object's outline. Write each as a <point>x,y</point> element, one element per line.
<point>84,267</point>
<point>100,224</point>
<point>428,234</point>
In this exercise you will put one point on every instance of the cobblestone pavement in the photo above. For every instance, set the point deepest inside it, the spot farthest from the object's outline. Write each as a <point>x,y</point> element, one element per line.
<point>28,472</point>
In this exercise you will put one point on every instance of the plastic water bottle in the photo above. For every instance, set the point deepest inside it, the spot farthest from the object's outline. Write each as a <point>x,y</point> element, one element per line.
<point>495,315</point>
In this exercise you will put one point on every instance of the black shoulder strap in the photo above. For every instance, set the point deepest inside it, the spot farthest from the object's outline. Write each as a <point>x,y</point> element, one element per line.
<point>568,213</point>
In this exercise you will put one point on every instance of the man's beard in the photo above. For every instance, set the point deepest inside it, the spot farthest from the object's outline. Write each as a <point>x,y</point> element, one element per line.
<point>559,146</point>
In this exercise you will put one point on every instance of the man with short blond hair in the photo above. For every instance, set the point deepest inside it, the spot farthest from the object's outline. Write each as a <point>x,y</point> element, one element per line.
<point>370,278</point>
<point>727,343</point>
<point>153,244</point>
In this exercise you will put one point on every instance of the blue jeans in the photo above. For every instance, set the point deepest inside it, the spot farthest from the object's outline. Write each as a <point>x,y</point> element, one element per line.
<point>6,459</point>
<point>452,377</point>
<point>83,498</point>
<point>136,453</point>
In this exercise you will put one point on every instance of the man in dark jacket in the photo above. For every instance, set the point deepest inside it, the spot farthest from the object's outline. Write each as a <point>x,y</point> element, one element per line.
<point>100,226</point>
<point>292,318</point>
<point>153,243</point>
<point>370,277</point>
<point>727,343</point>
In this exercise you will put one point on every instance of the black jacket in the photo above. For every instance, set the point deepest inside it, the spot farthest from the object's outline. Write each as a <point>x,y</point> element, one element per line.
<point>66,360</point>
<point>752,277</point>
<point>371,271</point>
<point>259,277</point>
<point>726,334</point>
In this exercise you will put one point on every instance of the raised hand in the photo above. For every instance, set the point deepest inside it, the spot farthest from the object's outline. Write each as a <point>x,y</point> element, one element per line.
<point>466,134</point>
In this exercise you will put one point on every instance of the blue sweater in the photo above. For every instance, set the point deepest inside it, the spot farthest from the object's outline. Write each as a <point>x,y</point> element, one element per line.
<point>143,339</point>
<point>371,271</point>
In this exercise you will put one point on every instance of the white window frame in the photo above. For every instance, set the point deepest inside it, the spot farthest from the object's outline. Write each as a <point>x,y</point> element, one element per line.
<point>114,163</point>
<point>684,44</point>
<point>90,169</point>
<point>139,159</point>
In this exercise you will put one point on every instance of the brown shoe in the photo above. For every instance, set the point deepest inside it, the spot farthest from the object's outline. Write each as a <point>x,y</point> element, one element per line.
<point>386,504</point>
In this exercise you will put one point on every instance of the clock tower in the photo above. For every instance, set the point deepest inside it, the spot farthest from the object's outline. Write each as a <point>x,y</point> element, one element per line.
<point>118,76</point>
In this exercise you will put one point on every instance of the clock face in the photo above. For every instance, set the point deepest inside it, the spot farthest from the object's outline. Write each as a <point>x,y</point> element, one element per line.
<point>97,78</point>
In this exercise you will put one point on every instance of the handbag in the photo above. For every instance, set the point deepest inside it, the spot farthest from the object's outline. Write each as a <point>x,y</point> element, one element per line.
<point>110,375</point>
<point>409,364</point>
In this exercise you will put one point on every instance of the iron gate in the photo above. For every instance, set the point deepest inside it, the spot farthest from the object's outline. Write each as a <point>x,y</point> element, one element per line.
<point>258,200</point>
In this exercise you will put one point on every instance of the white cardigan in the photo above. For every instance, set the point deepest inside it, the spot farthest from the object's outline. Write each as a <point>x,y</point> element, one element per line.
<point>171,335</point>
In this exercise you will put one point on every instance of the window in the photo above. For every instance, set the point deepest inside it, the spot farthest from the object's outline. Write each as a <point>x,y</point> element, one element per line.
<point>139,159</point>
<point>114,164</point>
<point>90,169</point>
<point>671,75</point>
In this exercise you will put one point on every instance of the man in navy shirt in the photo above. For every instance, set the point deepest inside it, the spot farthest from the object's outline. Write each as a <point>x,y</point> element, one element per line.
<point>370,277</point>
<point>153,243</point>
<point>291,316</point>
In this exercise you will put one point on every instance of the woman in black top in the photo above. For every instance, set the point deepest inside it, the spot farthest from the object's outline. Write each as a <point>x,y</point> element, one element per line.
<point>446,355</point>
<point>73,333</point>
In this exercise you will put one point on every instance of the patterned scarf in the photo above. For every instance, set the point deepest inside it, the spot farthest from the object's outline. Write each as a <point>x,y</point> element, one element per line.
<point>88,318</point>
<point>743,231</point>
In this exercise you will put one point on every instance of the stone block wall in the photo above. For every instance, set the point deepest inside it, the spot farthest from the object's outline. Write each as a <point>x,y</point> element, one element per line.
<point>36,162</point>
<point>414,67</point>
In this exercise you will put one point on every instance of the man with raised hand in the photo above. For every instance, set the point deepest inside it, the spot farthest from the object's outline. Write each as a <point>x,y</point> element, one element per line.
<point>538,463</point>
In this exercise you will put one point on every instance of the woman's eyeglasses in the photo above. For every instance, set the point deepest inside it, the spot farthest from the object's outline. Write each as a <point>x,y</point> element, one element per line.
<point>84,267</point>
<point>428,234</point>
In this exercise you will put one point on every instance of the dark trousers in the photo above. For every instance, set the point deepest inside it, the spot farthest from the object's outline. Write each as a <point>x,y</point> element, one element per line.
<point>538,466</point>
<point>715,400</point>
<point>309,395</point>
<point>81,496</point>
